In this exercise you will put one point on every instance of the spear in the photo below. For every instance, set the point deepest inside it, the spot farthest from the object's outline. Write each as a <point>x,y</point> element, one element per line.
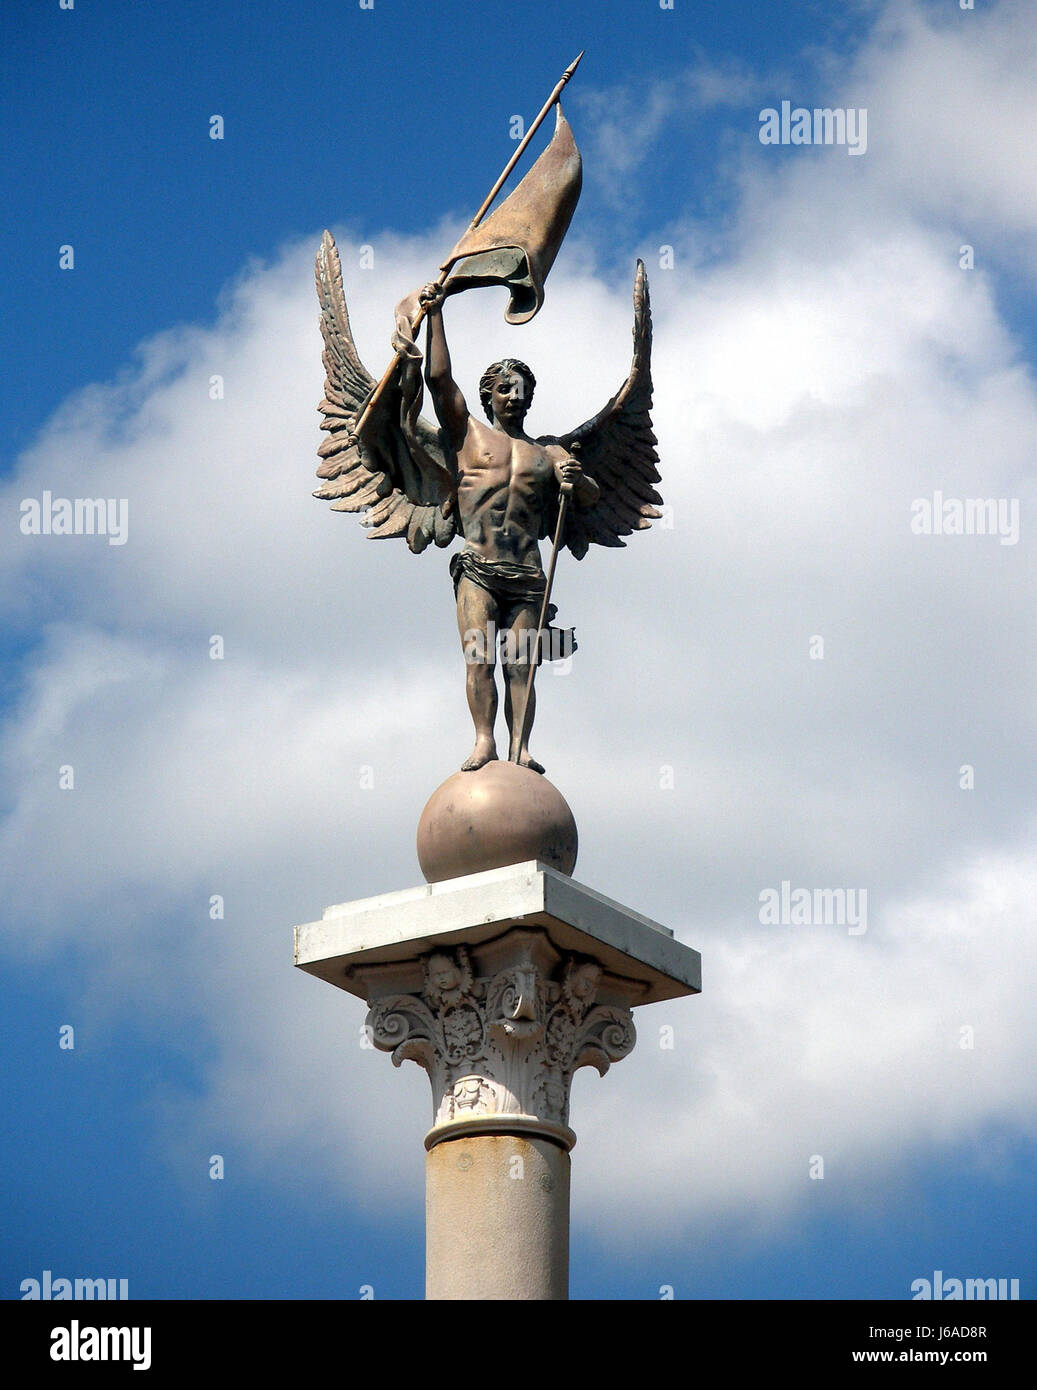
<point>534,656</point>
<point>375,395</point>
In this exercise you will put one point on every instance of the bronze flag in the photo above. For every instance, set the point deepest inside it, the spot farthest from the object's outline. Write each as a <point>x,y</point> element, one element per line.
<point>516,245</point>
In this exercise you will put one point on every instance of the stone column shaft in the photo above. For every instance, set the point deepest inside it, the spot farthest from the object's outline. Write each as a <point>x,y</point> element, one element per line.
<point>497,1218</point>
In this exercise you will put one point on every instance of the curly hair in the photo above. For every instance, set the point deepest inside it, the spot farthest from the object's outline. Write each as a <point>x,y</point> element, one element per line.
<point>490,375</point>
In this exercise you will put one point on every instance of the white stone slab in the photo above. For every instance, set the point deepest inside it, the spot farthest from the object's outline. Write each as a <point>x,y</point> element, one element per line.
<point>397,927</point>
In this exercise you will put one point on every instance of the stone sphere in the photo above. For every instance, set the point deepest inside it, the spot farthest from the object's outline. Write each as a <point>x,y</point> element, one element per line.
<point>500,814</point>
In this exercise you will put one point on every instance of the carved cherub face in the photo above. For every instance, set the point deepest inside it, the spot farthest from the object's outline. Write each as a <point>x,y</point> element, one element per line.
<point>585,980</point>
<point>443,974</point>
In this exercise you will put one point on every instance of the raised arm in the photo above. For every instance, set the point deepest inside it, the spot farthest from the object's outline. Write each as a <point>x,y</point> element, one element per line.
<point>451,408</point>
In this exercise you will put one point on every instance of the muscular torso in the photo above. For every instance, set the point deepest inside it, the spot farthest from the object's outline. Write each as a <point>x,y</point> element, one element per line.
<point>504,488</point>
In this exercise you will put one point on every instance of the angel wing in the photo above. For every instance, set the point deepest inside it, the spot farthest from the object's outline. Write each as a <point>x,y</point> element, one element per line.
<point>399,471</point>
<point>617,450</point>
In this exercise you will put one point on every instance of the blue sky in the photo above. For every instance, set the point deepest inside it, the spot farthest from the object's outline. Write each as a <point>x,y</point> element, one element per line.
<point>822,360</point>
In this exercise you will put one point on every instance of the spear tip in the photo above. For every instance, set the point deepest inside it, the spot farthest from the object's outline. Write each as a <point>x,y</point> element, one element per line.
<point>573,65</point>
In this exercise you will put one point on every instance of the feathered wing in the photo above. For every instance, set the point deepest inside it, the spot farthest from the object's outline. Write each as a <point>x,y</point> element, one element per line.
<point>399,471</point>
<point>617,450</point>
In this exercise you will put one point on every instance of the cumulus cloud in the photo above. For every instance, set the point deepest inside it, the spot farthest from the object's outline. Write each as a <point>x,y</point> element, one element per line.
<point>835,365</point>
<point>956,102</point>
<point>811,1044</point>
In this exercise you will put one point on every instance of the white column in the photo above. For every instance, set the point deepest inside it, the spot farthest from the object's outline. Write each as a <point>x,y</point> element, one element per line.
<point>500,984</point>
<point>497,1218</point>
<point>500,1028</point>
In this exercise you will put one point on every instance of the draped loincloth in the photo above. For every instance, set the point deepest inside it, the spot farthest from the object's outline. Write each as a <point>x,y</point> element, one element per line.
<point>507,582</point>
<point>513,585</point>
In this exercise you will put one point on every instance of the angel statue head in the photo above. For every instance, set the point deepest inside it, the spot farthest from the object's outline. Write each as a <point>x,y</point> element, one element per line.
<point>506,389</point>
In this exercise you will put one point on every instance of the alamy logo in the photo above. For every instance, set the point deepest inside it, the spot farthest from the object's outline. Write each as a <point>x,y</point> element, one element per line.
<point>76,516</point>
<point>966,516</point>
<point>823,907</point>
<point>81,1343</point>
<point>49,1287</point>
<point>527,644</point>
<point>950,1289</point>
<point>821,125</point>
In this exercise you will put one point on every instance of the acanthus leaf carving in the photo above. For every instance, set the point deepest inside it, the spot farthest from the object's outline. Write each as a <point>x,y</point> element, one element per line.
<point>507,1043</point>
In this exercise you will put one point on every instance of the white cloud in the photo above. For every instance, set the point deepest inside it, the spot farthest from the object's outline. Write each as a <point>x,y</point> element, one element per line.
<point>954,109</point>
<point>808,1041</point>
<point>835,366</point>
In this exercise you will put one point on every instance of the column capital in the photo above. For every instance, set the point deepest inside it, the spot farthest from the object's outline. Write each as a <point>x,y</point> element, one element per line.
<point>501,1028</point>
<point>501,984</point>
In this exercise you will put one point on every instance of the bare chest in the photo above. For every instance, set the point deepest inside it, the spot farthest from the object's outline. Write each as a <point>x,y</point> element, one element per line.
<point>492,461</point>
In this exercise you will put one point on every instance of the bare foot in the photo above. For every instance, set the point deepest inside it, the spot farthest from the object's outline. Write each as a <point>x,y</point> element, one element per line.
<point>485,751</point>
<point>526,761</point>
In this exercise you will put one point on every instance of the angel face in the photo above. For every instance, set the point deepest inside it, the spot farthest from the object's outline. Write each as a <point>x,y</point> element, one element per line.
<point>508,398</point>
<point>506,390</point>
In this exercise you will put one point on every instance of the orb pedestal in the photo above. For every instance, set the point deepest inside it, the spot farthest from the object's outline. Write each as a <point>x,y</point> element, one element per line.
<point>498,815</point>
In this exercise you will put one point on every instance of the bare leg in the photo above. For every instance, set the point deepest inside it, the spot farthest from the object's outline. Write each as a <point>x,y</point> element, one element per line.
<point>477,617</point>
<point>519,649</point>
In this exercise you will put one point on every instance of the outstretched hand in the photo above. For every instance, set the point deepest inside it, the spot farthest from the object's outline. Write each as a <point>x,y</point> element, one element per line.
<point>431,297</point>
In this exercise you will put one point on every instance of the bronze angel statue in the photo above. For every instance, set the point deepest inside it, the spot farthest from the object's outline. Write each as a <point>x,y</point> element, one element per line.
<point>488,482</point>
